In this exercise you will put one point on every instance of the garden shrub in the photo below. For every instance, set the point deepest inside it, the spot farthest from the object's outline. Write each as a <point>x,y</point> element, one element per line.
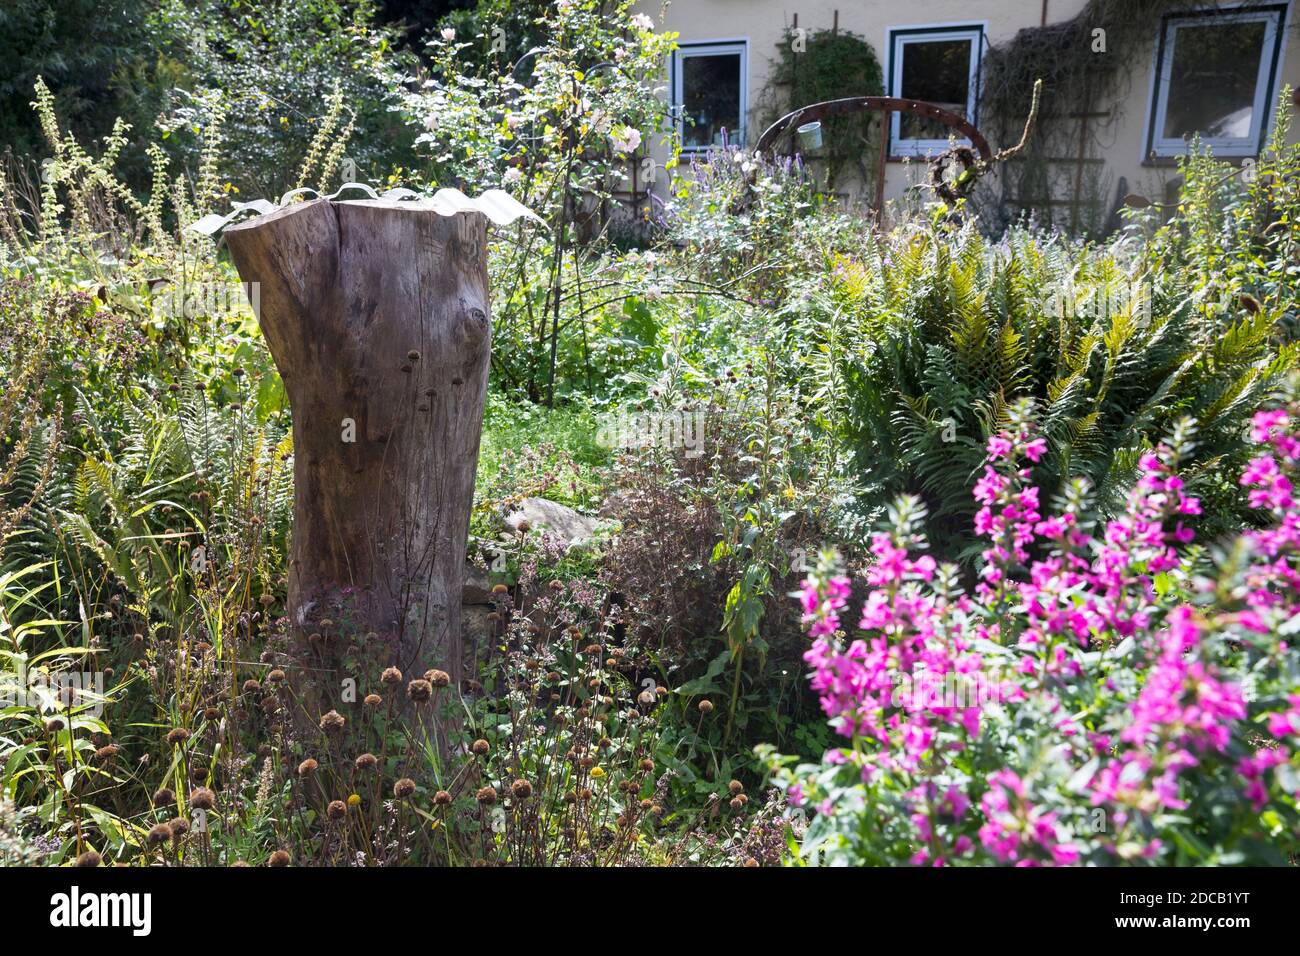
<point>942,330</point>
<point>1108,692</point>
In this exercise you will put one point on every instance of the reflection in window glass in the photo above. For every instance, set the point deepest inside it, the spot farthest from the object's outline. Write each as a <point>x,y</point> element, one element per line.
<point>937,71</point>
<point>710,87</point>
<point>1213,78</point>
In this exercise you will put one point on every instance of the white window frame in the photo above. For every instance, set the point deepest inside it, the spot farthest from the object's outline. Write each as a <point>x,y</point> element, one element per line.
<point>1270,64</point>
<point>899,38</point>
<point>711,48</point>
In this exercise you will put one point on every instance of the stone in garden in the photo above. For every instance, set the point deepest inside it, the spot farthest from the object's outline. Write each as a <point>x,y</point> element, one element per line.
<point>477,588</point>
<point>566,525</point>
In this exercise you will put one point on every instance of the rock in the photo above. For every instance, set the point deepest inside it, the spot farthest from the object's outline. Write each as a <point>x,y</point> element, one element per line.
<point>477,633</point>
<point>569,527</point>
<point>477,589</point>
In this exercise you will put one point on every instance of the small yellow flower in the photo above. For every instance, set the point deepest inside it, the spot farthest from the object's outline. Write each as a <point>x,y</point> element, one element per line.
<point>354,800</point>
<point>598,772</point>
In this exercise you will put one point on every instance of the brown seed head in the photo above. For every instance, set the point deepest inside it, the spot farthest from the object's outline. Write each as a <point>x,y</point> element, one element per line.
<point>366,762</point>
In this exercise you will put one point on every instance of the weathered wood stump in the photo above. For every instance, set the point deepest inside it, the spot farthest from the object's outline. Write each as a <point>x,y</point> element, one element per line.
<point>376,313</point>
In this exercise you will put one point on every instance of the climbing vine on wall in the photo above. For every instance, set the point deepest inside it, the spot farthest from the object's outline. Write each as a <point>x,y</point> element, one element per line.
<point>828,65</point>
<point>1087,65</point>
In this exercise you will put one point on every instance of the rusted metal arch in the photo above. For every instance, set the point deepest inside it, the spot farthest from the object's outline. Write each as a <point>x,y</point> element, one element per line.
<point>883,104</point>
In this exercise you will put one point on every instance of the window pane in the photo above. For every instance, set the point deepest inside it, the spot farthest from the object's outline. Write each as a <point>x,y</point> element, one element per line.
<point>710,98</point>
<point>937,71</point>
<point>1212,79</point>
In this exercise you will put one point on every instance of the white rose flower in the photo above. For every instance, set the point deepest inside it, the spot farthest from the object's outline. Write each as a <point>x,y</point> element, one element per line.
<point>642,22</point>
<point>448,34</point>
<point>625,139</point>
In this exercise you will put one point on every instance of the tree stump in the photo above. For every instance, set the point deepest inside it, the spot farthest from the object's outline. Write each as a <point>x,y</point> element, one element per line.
<point>376,313</point>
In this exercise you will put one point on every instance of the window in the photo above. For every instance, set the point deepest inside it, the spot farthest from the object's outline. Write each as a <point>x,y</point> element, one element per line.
<point>709,95</point>
<point>939,65</point>
<point>1215,75</point>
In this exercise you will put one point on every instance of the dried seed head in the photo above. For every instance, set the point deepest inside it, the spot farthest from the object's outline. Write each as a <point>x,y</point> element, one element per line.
<point>735,787</point>
<point>442,798</point>
<point>438,678</point>
<point>486,796</point>
<point>201,798</point>
<point>252,686</point>
<point>89,858</point>
<point>177,735</point>
<point>162,797</point>
<point>404,788</point>
<point>522,789</point>
<point>178,826</point>
<point>419,691</point>
<point>332,722</point>
<point>366,762</point>
<point>307,767</point>
<point>276,676</point>
<point>391,676</point>
<point>278,858</point>
<point>336,810</point>
<point>159,833</point>
<point>373,700</point>
<point>647,764</point>
<point>706,706</point>
<point>480,747</point>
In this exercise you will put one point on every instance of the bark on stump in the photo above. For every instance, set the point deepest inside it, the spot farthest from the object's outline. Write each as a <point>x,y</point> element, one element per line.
<point>376,313</point>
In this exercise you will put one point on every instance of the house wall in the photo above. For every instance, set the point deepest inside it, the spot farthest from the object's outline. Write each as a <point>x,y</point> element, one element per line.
<point>1121,143</point>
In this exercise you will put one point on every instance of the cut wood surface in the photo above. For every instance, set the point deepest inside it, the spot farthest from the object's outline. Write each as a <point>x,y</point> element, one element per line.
<point>377,315</point>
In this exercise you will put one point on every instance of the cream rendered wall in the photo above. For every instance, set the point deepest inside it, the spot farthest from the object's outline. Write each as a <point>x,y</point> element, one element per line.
<point>762,24</point>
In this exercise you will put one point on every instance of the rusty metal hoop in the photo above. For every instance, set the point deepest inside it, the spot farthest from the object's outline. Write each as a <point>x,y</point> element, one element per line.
<point>882,104</point>
<point>815,112</point>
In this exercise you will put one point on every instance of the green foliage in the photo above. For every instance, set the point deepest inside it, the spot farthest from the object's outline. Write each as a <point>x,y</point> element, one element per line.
<point>88,68</point>
<point>1113,343</point>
